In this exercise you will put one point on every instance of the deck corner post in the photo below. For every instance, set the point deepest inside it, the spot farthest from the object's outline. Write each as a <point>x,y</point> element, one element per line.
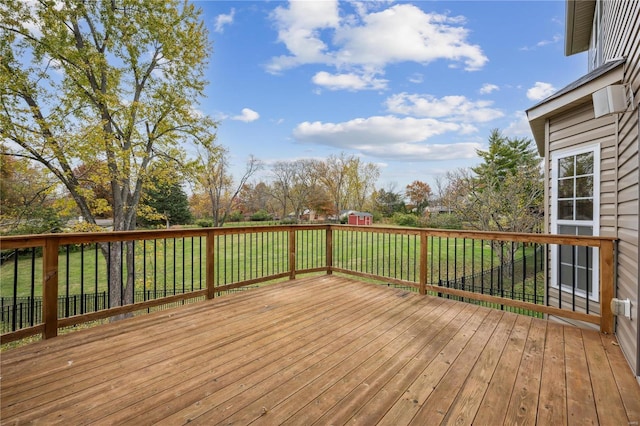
<point>210,268</point>
<point>607,283</point>
<point>50,288</point>
<point>292,253</point>
<point>329,249</point>
<point>424,252</point>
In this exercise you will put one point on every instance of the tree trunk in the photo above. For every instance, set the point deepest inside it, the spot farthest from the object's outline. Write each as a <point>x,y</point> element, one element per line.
<point>120,274</point>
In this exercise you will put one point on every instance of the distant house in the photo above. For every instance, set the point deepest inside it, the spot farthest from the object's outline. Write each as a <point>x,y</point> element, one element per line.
<point>588,134</point>
<point>360,218</point>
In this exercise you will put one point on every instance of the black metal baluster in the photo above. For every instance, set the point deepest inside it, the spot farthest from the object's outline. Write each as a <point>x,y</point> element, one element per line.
<point>82,307</point>
<point>33,288</point>
<point>122,255</point>
<point>96,284</point>
<point>66,283</point>
<point>14,313</point>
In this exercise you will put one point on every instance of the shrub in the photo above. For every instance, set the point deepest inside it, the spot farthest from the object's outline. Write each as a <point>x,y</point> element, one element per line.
<point>404,219</point>
<point>260,216</point>
<point>235,217</point>
<point>206,222</point>
<point>444,221</point>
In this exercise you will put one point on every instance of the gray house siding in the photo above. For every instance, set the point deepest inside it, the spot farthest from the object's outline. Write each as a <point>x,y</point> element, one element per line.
<point>621,38</point>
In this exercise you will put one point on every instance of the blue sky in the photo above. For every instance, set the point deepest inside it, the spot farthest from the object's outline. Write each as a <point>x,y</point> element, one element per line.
<point>415,87</point>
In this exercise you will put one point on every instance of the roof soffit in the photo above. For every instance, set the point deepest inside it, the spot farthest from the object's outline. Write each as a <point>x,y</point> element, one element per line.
<point>578,25</point>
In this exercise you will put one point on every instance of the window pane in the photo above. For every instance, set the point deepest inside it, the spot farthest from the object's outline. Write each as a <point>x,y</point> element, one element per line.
<point>584,164</point>
<point>584,187</point>
<point>565,167</point>
<point>566,275</point>
<point>565,209</point>
<point>584,209</point>
<point>584,230</point>
<point>582,280</point>
<point>582,257</point>
<point>567,229</point>
<point>565,188</point>
<point>566,254</point>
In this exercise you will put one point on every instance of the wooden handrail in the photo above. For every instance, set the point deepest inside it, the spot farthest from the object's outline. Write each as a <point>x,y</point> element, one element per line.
<point>51,243</point>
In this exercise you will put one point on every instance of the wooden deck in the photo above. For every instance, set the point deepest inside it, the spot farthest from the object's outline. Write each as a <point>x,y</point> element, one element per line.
<point>322,350</point>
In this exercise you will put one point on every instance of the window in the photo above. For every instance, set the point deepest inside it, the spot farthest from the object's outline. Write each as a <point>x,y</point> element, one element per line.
<point>575,200</point>
<point>596,46</point>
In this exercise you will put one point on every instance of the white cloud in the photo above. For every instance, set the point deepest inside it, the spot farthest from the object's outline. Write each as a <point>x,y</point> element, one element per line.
<point>519,127</point>
<point>488,88</point>
<point>554,40</point>
<point>298,28</point>
<point>248,115</point>
<point>406,33</point>
<point>416,78</point>
<point>456,108</point>
<point>317,33</point>
<point>387,137</point>
<point>348,81</point>
<point>540,91</point>
<point>222,20</point>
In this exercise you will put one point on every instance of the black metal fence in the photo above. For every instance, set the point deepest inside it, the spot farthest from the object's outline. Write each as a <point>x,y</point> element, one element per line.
<point>21,312</point>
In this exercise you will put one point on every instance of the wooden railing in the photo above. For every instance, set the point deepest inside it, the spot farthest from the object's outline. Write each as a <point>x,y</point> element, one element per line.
<point>60,280</point>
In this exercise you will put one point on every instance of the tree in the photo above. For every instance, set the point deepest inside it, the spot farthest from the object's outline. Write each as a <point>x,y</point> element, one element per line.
<point>113,81</point>
<point>419,194</point>
<point>165,202</point>
<point>333,176</point>
<point>504,157</point>
<point>283,173</point>
<point>506,191</point>
<point>253,198</point>
<point>27,197</point>
<point>93,178</point>
<point>361,180</point>
<point>388,201</point>
<point>216,182</point>
<point>304,184</point>
<point>347,180</point>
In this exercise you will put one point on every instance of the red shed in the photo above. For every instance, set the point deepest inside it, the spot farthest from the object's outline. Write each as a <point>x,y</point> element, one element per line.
<point>360,218</point>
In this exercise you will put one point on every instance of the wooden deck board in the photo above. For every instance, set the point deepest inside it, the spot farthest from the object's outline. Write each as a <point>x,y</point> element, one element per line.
<point>322,350</point>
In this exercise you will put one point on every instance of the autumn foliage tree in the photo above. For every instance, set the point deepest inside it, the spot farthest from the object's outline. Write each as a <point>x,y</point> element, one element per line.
<point>109,81</point>
<point>419,194</point>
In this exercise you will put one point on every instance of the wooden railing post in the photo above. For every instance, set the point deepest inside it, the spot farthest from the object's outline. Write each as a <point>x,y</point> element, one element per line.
<point>50,288</point>
<point>292,254</point>
<point>424,252</point>
<point>329,250</point>
<point>607,283</point>
<point>211,238</point>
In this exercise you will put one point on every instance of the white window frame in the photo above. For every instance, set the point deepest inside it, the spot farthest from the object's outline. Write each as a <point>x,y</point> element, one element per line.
<point>594,223</point>
<point>595,55</point>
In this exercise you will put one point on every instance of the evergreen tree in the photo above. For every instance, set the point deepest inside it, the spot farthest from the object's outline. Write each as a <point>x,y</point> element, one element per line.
<point>504,157</point>
<point>166,203</point>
